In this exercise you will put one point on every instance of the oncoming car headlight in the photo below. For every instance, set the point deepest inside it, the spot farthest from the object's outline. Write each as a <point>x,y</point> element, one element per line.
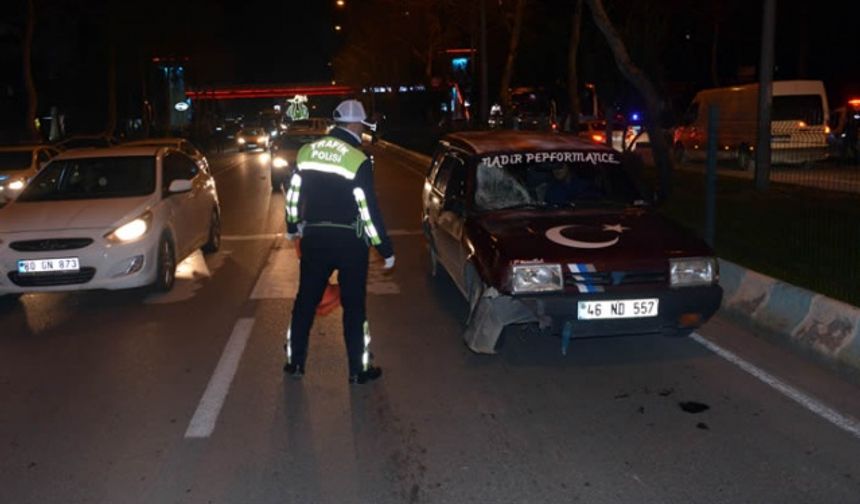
<point>16,185</point>
<point>241,140</point>
<point>131,231</point>
<point>537,278</point>
<point>280,162</point>
<point>689,271</point>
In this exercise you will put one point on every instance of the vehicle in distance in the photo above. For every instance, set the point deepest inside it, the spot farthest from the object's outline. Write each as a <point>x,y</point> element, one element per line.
<point>551,229</point>
<point>252,138</point>
<point>284,148</point>
<point>112,219</point>
<point>19,164</point>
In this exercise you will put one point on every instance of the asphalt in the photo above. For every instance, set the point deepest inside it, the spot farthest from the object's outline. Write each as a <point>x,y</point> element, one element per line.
<point>99,392</point>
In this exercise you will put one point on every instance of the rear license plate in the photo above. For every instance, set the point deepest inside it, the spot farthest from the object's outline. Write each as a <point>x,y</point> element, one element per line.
<point>621,309</point>
<point>26,266</point>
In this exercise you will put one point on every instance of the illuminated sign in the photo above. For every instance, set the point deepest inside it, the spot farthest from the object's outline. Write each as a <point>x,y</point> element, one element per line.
<point>181,106</point>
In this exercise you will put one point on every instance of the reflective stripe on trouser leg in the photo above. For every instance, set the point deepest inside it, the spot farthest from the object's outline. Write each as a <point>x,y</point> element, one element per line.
<point>287,348</point>
<point>364,212</point>
<point>365,354</point>
<point>292,199</point>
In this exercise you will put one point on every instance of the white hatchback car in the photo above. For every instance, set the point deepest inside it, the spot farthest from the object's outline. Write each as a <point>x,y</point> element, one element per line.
<point>18,164</point>
<point>114,218</point>
<point>180,144</point>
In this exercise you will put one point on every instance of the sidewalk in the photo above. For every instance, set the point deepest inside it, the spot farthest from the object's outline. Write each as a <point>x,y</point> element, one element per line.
<point>824,329</point>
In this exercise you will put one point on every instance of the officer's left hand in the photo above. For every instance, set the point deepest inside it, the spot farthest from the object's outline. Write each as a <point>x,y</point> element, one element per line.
<point>389,263</point>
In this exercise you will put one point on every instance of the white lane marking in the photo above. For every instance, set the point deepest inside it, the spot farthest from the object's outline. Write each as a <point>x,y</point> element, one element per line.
<point>280,276</point>
<point>846,423</point>
<point>252,237</point>
<point>203,422</point>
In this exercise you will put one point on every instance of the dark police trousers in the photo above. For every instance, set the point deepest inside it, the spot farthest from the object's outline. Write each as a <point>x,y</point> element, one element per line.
<point>324,250</point>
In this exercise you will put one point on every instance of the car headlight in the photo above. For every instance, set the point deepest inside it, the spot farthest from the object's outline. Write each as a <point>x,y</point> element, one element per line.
<point>241,140</point>
<point>16,185</point>
<point>688,271</point>
<point>131,231</point>
<point>537,278</point>
<point>280,162</point>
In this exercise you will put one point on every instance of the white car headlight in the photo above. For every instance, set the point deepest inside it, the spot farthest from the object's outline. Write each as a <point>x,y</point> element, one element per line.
<point>280,162</point>
<point>241,140</point>
<point>131,231</point>
<point>688,271</point>
<point>16,185</point>
<point>537,278</point>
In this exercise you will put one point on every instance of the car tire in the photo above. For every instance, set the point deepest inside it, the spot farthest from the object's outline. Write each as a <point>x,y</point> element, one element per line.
<point>277,184</point>
<point>165,275</point>
<point>214,241</point>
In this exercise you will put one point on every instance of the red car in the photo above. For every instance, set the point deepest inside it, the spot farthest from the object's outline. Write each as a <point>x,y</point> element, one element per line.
<point>552,229</point>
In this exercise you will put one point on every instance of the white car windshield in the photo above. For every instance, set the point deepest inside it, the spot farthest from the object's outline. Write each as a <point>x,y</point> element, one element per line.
<point>16,160</point>
<point>554,185</point>
<point>93,178</point>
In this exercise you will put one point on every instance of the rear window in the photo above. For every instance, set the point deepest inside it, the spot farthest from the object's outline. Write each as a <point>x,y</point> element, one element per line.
<point>93,178</point>
<point>807,108</point>
<point>19,160</point>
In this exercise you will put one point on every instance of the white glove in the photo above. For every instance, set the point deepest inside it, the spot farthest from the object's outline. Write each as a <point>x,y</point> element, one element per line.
<point>293,236</point>
<point>389,263</point>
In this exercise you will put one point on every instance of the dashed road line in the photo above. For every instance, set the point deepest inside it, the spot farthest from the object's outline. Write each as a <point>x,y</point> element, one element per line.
<point>844,422</point>
<point>203,422</point>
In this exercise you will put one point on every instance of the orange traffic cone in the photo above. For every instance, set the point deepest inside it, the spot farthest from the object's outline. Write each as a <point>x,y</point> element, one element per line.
<point>331,297</point>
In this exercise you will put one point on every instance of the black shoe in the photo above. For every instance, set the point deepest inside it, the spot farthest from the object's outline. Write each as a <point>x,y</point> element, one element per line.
<point>294,370</point>
<point>369,374</point>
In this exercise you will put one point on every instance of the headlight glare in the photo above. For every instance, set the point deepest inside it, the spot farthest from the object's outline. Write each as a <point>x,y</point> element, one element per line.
<point>15,185</point>
<point>241,140</point>
<point>131,231</point>
<point>689,271</point>
<point>537,278</point>
<point>280,162</point>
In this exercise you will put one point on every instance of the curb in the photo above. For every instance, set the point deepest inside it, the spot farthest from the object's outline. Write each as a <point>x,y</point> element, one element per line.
<point>825,328</point>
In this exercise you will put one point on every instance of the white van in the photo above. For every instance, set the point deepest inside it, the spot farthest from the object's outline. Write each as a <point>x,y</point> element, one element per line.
<point>798,123</point>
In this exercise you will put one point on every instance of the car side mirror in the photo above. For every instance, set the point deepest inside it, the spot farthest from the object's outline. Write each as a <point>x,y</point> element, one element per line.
<point>179,186</point>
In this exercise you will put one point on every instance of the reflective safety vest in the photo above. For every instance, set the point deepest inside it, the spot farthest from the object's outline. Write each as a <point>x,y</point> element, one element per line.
<point>336,157</point>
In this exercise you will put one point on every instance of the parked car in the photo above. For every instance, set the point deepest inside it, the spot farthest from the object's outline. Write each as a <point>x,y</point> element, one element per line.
<point>19,164</point>
<point>113,218</point>
<point>287,145</point>
<point>799,124</point>
<point>252,138</point>
<point>179,144</point>
<point>551,229</point>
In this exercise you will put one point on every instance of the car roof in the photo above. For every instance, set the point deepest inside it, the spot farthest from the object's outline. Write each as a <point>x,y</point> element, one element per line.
<point>485,142</point>
<point>21,148</point>
<point>120,151</point>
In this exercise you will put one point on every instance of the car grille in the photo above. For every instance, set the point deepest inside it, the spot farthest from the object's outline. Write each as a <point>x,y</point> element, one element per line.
<point>50,244</point>
<point>615,278</point>
<point>52,279</point>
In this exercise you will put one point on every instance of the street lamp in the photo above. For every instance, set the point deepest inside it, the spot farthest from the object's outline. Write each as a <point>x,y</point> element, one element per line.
<point>340,3</point>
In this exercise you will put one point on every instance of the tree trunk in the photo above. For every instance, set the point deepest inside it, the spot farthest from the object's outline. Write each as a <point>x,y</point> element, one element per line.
<point>513,48</point>
<point>643,85</point>
<point>29,84</point>
<point>572,75</point>
<point>715,77</point>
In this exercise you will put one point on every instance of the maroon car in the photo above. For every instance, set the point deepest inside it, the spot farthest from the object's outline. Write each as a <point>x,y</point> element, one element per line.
<point>539,227</point>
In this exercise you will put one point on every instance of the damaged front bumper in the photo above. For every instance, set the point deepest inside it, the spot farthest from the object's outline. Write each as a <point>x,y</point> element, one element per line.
<point>680,311</point>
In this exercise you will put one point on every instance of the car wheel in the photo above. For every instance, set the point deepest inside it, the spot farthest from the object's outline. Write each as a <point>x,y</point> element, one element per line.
<point>166,271</point>
<point>214,242</point>
<point>277,183</point>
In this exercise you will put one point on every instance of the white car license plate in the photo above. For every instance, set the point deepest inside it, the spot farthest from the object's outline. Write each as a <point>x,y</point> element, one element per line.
<point>48,265</point>
<point>621,309</point>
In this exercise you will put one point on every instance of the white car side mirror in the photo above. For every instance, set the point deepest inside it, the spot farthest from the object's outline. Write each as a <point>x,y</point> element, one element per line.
<point>179,186</point>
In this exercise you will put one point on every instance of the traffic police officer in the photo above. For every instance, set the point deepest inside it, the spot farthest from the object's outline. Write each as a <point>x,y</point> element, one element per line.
<point>332,204</point>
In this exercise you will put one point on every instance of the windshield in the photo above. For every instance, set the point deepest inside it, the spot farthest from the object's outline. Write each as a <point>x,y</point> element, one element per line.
<point>554,185</point>
<point>17,160</point>
<point>253,132</point>
<point>93,178</point>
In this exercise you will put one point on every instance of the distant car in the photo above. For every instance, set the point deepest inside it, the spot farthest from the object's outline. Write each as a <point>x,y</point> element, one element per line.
<point>287,145</point>
<point>108,219</point>
<point>19,164</point>
<point>251,138</point>
<point>179,144</point>
<point>623,138</point>
<point>87,142</point>
<point>550,229</point>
